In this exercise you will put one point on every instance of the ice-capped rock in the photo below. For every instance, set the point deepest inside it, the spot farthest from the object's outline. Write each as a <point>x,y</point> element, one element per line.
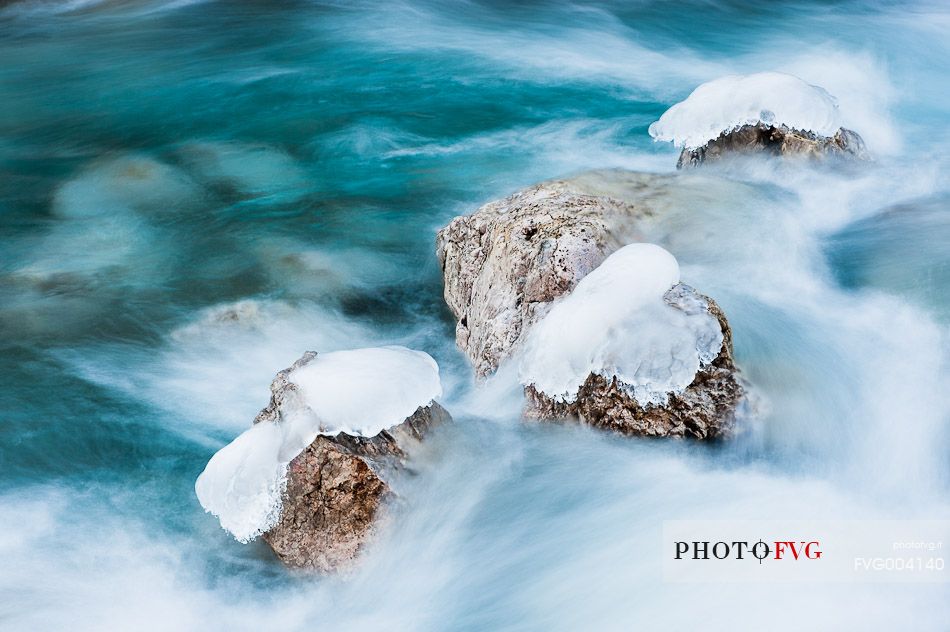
<point>505,263</point>
<point>733,101</point>
<point>769,112</point>
<point>616,324</point>
<point>664,371</point>
<point>505,266</point>
<point>313,471</point>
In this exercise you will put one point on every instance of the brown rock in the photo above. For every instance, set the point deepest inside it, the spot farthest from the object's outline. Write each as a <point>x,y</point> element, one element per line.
<point>776,141</point>
<point>338,487</point>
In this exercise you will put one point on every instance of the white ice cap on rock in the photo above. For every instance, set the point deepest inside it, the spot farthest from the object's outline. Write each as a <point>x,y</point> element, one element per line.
<point>730,102</point>
<point>616,324</point>
<point>359,392</point>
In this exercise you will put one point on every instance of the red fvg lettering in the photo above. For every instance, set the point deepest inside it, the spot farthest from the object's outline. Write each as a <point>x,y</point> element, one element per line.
<point>798,548</point>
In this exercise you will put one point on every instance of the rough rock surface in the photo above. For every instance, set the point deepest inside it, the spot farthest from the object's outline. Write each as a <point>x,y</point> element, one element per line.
<point>705,410</point>
<point>504,264</point>
<point>775,140</point>
<point>337,487</point>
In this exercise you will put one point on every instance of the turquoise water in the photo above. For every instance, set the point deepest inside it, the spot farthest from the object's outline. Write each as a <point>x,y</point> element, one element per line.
<point>162,163</point>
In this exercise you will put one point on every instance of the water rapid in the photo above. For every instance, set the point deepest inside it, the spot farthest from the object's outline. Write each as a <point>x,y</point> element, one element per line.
<point>192,193</point>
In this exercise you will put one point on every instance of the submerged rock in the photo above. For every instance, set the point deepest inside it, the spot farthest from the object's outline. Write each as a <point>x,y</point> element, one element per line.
<point>776,141</point>
<point>312,476</point>
<point>505,265</point>
<point>244,170</point>
<point>128,184</point>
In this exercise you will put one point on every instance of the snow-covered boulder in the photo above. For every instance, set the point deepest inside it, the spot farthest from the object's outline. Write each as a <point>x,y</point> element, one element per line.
<point>768,112</point>
<point>311,475</point>
<point>634,350</point>
<point>507,264</point>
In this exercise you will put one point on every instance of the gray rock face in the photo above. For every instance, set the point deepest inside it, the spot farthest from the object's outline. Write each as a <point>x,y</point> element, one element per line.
<point>705,410</point>
<point>777,141</point>
<point>338,487</point>
<point>504,265</point>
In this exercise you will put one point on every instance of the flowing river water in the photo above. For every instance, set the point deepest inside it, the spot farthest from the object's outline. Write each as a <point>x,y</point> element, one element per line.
<point>194,193</point>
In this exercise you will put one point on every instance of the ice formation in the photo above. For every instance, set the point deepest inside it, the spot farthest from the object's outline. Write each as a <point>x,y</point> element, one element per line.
<point>358,392</point>
<point>365,391</point>
<point>730,102</point>
<point>616,323</point>
<point>243,481</point>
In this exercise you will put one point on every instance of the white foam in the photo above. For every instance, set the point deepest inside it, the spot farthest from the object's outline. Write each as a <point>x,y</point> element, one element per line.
<point>248,169</point>
<point>732,101</point>
<point>127,183</point>
<point>616,323</point>
<point>580,44</point>
<point>87,247</point>
<point>865,92</point>
<point>213,373</point>
<point>359,392</point>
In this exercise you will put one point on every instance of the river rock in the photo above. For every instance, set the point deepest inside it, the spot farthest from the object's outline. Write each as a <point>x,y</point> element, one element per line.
<point>704,410</point>
<point>505,264</point>
<point>338,487</point>
<point>777,141</point>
